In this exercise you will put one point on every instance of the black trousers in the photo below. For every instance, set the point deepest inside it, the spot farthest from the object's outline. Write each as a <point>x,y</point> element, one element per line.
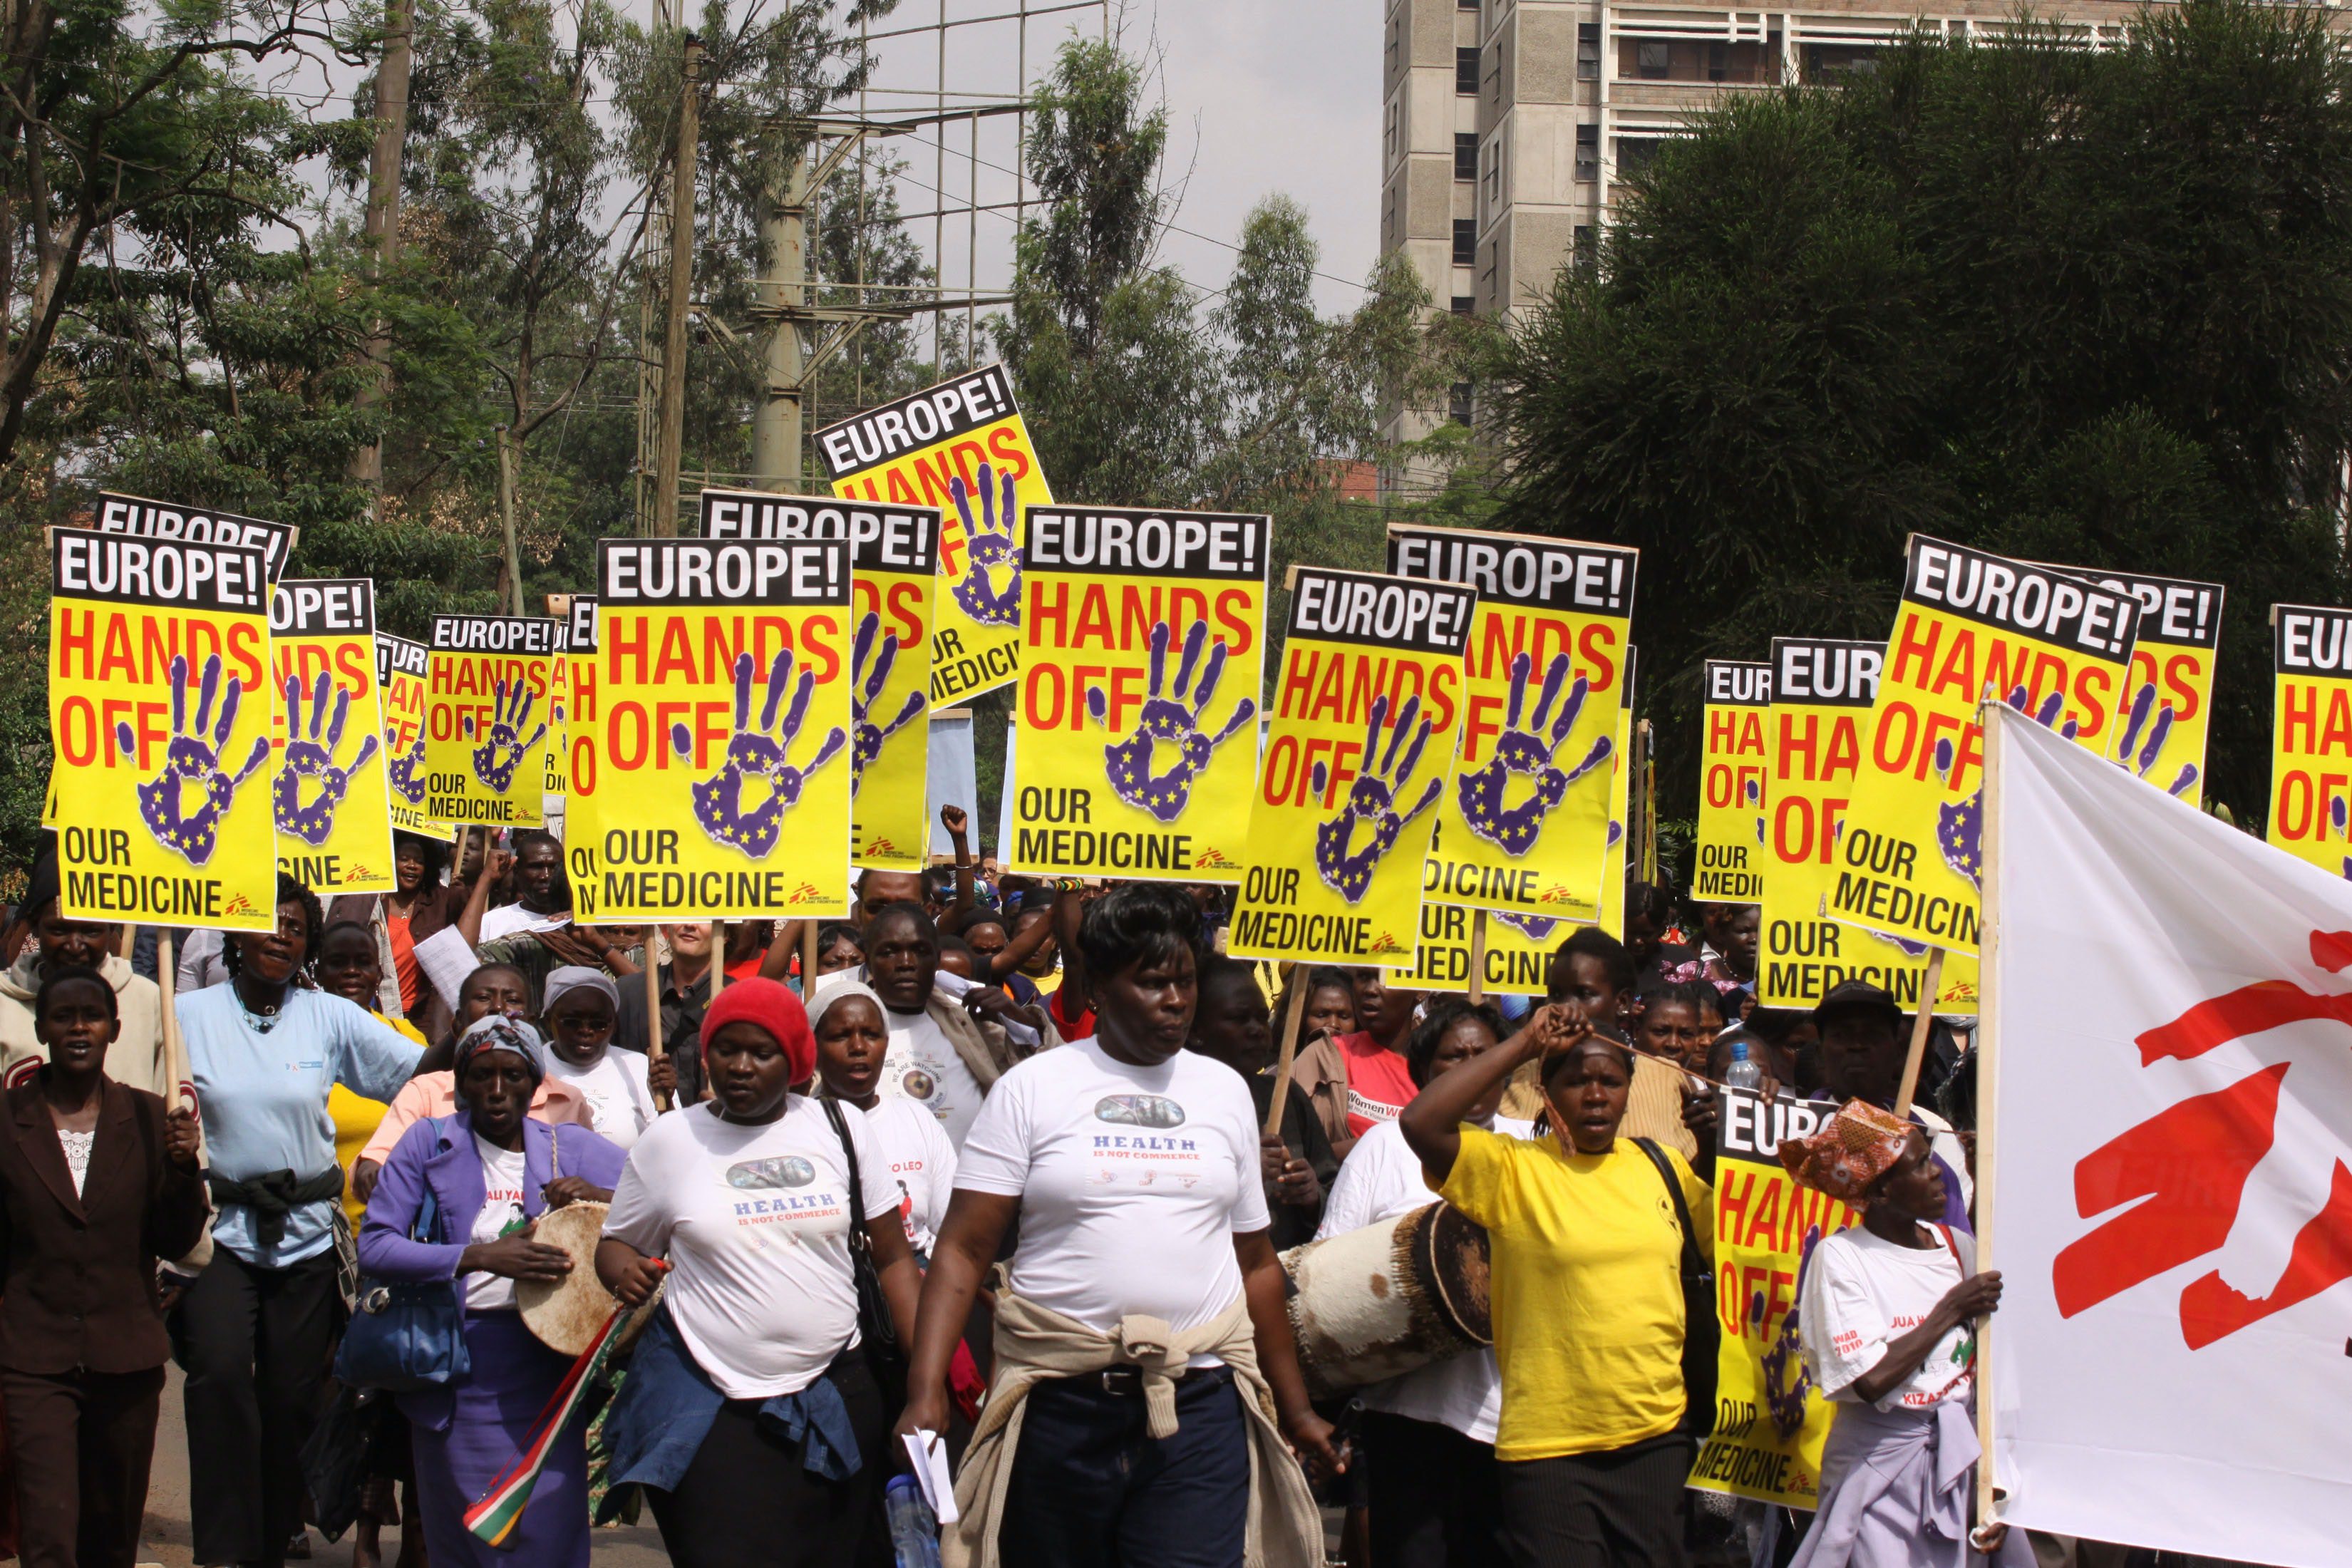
<point>254,1342</point>
<point>1436,1495</point>
<point>81,1443</point>
<point>747,1500</point>
<point>1620,1508</point>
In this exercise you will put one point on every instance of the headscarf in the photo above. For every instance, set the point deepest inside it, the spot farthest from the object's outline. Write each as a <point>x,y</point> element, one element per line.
<point>839,988</point>
<point>1852,1149</point>
<point>771,1005</point>
<point>572,977</point>
<point>495,1032</point>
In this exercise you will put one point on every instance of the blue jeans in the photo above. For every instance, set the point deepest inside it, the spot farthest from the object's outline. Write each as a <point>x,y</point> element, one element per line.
<point>1092,1488</point>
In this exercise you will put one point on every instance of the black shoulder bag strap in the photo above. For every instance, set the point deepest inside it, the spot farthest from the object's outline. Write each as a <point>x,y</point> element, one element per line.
<point>1702,1334</point>
<point>885,1357</point>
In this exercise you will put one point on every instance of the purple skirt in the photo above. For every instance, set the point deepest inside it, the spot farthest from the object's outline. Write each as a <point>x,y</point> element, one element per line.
<point>514,1376</point>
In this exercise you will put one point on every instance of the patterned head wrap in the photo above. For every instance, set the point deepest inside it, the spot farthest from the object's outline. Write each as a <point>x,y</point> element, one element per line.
<point>1852,1149</point>
<point>495,1032</point>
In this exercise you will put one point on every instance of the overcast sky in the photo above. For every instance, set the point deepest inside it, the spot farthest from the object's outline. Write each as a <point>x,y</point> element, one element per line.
<point>1263,96</point>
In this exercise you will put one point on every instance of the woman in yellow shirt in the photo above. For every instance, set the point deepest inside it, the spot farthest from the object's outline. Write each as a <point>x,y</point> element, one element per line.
<point>1588,1296</point>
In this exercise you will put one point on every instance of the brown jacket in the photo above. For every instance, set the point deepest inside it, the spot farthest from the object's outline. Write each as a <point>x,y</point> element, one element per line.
<point>78,1287</point>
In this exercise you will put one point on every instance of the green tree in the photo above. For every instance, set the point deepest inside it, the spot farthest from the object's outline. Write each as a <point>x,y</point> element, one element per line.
<point>2092,308</point>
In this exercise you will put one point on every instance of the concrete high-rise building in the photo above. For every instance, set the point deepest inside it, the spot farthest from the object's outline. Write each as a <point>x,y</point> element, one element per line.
<point>1506,127</point>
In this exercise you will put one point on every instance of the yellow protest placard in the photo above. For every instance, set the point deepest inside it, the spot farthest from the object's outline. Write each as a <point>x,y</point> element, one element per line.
<point>401,669</point>
<point>582,824</point>
<point>1770,1422</point>
<point>1823,689</point>
<point>960,446</point>
<point>1611,918</point>
<point>1731,783</point>
<point>556,782</point>
<point>720,751</point>
<point>329,788</point>
<point>159,712</point>
<point>1525,823</point>
<point>894,575</point>
<point>2166,709</point>
<point>1367,710</point>
<point>2054,645</point>
<point>136,517</point>
<point>1518,950</point>
<point>487,718</point>
<point>2311,735</point>
<point>1143,641</point>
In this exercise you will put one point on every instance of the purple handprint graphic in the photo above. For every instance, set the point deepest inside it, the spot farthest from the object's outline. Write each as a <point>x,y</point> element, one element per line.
<point>192,761</point>
<point>988,546</point>
<point>2143,700</point>
<point>865,686</point>
<point>757,754</point>
<point>1528,753</point>
<point>405,772</point>
<point>310,754</point>
<point>1345,866</point>
<point>503,749</point>
<point>1959,827</point>
<point>1167,716</point>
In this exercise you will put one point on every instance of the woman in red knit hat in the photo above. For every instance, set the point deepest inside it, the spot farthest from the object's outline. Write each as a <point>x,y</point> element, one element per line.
<point>751,1415</point>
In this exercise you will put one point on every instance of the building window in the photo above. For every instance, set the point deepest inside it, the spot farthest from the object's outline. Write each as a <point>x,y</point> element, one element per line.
<point>1660,60</point>
<point>1587,51</point>
<point>1465,72</point>
<point>1582,251</point>
<point>1465,5</point>
<point>1718,61</point>
<point>1831,62</point>
<point>1466,305</point>
<point>1396,42</point>
<point>1465,154</point>
<point>1392,139</point>
<point>1635,153</point>
<point>1495,71</point>
<point>1655,60</point>
<point>1458,403</point>
<point>1588,153</point>
<point>1494,186</point>
<point>1465,241</point>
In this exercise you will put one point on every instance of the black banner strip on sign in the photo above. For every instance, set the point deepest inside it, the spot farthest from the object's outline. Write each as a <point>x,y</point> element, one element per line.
<point>1143,542</point>
<point>583,628</point>
<point>886,538</point>
<point>1537,573</point>
<point>2312,640</point>
<point>142,519</point>
<point>398,656</point>
<point>1826,672</point>
<point>2172,610</point>
<point>321,606</point>
<point>1380,611</point>
<point>937,413</point>
<point>170,572</point>
<point>1739,683</point>
<point>526,635</point>
<point>705,572</point>
<point>2013,596</point>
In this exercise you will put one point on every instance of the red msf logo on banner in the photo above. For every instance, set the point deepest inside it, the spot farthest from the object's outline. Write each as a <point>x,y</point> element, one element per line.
<point>2192,1165</point>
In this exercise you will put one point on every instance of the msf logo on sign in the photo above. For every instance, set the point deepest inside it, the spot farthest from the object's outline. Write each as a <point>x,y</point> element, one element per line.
<point>2191,1163</point>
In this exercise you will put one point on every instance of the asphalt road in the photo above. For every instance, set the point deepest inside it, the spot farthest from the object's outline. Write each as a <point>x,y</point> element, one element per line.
<point>166,1538</point>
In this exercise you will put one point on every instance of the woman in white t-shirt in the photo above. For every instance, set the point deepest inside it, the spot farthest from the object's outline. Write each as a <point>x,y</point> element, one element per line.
<point>1887,1315</point>
<point>750,1414</point>
<point>1429,1437</point>
<point>578,1016</point>
<point>853,1038</point>
<point>1142,1338</point>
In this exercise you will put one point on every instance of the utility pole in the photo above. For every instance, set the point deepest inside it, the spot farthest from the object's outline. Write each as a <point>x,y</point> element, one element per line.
<point>781,297</point>
<point>681,289</point>
<point>384,215</point>
<point>512,566</point>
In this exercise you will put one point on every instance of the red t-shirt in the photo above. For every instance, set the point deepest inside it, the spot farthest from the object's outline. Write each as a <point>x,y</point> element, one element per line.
<point>404,958</point>
<point>1073,1026</point>
<point>1378,1086</point>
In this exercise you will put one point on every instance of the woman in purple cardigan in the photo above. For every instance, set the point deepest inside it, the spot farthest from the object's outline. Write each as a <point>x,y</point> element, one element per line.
<point>490,1171</point>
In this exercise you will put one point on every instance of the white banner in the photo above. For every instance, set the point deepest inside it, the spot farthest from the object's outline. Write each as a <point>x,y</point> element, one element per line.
<point>2171,1191</point>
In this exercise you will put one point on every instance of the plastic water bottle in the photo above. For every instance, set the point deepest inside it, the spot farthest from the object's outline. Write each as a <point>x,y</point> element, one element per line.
<point>914,1529</point>
<point>1742,1073</point>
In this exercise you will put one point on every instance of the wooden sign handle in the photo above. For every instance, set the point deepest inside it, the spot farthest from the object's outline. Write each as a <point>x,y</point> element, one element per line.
<point>1930,984</point>
<point>1288,1058</point>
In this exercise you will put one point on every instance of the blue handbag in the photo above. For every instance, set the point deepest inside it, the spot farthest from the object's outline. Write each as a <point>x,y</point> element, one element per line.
<point>406,1336</point>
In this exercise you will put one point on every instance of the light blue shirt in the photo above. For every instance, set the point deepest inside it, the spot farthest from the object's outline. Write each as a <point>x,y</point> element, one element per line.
<point>263,1097</point>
